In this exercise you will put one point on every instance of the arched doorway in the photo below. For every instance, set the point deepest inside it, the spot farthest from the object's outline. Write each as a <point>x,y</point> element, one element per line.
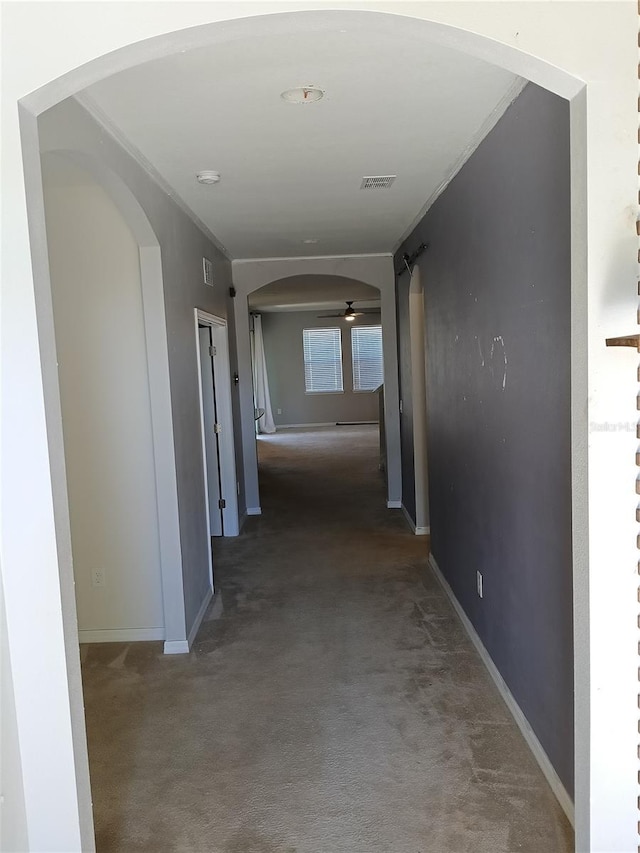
<point>493,44</point>
<point>376,272</point>
<point>153,340</point>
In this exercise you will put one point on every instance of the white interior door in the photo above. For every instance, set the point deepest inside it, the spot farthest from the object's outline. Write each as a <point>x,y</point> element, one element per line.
<point>211,428</point>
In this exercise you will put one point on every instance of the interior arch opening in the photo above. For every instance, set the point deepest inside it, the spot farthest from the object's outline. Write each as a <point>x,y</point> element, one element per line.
<point>413,416</point>
<point>112,125</point>
<point>105,403</point>
<point>317,343</point>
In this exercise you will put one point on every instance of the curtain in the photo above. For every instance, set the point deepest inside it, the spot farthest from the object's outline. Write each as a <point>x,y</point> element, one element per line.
<point>262,399</point>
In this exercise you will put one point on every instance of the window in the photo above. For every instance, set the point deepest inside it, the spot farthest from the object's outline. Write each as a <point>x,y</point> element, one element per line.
<point>322,361</point>
<point>366,353</point>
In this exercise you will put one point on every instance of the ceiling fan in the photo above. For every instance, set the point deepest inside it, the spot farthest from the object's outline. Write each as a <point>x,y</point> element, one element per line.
<point>350,313</point>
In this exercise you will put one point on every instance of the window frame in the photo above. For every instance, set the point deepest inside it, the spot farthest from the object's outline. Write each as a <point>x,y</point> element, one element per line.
<point>323,392</point>
<point>356,329</point>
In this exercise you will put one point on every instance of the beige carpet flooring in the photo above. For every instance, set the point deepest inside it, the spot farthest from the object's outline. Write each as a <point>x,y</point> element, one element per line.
<point>335,706</point>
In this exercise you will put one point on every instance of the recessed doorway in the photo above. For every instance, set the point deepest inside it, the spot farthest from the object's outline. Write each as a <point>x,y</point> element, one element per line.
<point>218,447</point>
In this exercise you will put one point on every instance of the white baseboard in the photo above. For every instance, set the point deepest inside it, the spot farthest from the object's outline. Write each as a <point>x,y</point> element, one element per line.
<point>408,518</point>
<point>121,635</point>
<point>217,608</point>
<point>529,735</point>
<point>394,504</point>
<point>300,426</point>
<point>419,531</point>
<point>183,647</point>
<point>254,510</point>
<point>176,647</point>
<point>199,617</point>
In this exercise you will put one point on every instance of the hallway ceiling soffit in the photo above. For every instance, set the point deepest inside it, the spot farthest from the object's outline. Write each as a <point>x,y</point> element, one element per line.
<point>313,292</point>
<point>313,307</point>
<point>292,172</point>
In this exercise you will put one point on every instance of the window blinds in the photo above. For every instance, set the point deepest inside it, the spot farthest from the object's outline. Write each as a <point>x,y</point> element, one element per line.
<point>322,360</point>
<point>366,353</point>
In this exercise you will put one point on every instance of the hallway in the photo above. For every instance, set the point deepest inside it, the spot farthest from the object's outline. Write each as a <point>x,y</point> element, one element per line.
<point>334,706</point>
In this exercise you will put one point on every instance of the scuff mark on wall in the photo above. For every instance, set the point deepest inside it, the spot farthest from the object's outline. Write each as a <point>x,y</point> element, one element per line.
<point>499,356</point>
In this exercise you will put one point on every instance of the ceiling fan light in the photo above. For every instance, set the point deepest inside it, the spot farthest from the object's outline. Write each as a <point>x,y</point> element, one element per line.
<point>349,317</point>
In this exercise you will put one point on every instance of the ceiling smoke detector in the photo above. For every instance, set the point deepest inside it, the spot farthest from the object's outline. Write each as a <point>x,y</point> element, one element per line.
<point>302,95</point>
<point>377,182</point>
<point>208,177</point>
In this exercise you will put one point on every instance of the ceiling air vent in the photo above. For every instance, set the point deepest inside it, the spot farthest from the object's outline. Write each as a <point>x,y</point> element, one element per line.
<point>377,182</point>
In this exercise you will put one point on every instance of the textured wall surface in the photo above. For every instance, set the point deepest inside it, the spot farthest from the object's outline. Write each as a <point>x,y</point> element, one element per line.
<point>497,294</point>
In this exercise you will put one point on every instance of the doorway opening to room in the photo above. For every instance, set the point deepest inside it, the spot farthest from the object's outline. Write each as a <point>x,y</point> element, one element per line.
<point>412,366</point>
<point>218,445</point>
<point>318,363</point>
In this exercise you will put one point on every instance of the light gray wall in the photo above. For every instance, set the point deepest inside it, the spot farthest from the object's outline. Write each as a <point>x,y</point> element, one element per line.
<point>285,366</point>
<point>497,278</point>
<point>68,127</point>
<point>104,386</point>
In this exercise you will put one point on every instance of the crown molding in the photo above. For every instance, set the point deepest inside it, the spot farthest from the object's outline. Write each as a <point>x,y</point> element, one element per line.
<point>513,92</point>
<point>108,125</point>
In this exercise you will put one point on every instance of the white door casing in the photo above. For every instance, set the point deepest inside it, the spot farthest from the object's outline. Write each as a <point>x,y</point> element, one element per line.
<point>213,491</point>
<point>224,417</point>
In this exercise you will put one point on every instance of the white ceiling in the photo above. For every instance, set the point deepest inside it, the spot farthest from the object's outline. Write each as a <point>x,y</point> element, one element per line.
<point>393,105</point>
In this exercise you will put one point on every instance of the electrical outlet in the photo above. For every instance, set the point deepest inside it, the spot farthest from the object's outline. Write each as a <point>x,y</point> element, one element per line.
<point>279,411</point>
<point>479,584</point>
<point>98,577</point>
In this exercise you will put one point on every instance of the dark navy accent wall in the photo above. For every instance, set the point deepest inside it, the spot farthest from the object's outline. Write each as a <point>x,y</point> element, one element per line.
<point>497,296</point>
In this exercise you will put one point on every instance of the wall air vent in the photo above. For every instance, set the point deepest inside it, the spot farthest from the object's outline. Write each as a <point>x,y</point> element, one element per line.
<point>377,182</point>
<point>207,271</point>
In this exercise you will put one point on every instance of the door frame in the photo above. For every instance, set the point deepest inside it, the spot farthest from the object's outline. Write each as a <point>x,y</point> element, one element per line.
<point>209,424</point>
<point>418,344</point>
<point>227,455</point>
